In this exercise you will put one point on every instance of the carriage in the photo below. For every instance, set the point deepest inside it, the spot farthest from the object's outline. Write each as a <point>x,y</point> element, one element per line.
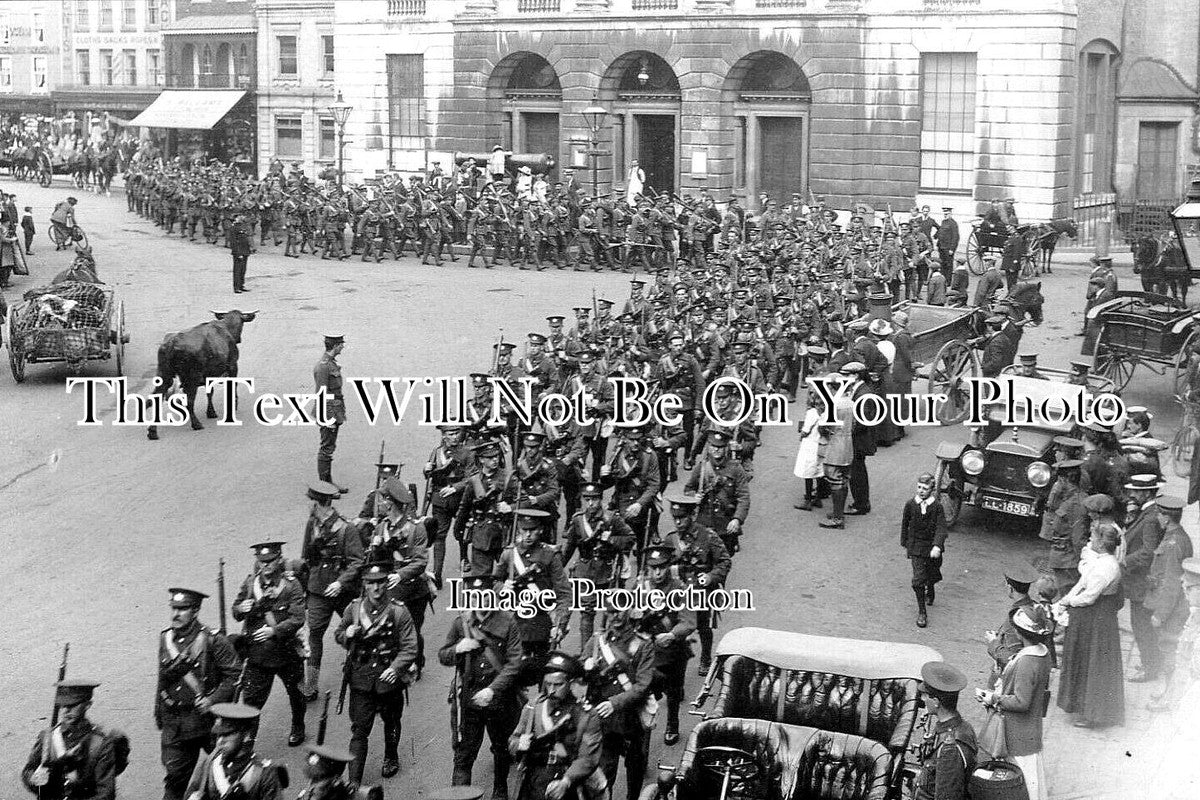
<point>794,708</point>
<point>1041,238</point>
<point>72,323</point>
<point>942,341</point>
<point>1141,329</point>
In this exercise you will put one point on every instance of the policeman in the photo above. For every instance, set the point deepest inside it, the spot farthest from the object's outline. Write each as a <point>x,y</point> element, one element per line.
<point>619,664</point>
<point>530,564</point>
<point>670,630</point>
<point>233,769</point>
<point>724,491</point>
<point>381,641</point>
<point>448,465</point>
<point>327,375</point>
<point>557,741</point>
<point>601,538</point>
<point>196,669</point>
<point>270,606</point>
<point>489,496</point>
<point>484,647</point>
<point>948,751</point>
<point>77,758</point>
<point>333,554</point>
<point>702,562</point>
<point>404,539</point>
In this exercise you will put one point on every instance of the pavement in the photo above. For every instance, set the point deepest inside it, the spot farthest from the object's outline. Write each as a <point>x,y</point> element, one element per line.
<point>100,521</point>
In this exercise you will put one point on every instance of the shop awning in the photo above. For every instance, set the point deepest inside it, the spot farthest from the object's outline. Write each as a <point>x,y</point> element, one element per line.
<point>197,109</point>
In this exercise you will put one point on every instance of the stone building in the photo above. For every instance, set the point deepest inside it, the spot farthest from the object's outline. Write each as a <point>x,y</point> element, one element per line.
<point>31,57</point>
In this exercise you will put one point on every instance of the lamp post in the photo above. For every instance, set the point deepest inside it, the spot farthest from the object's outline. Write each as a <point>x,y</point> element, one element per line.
<point>594,116</point>
<point>341,112</point>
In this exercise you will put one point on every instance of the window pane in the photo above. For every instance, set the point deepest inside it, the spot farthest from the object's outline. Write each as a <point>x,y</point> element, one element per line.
<point>287,55</point>
<point>947,120</point>
<point>328,140</point>
<point>81,15</point>
<point>129,14</point>
<point>106,15</point>
<point>131,67</point>
<point>151,12</point>
<point>106,67</point>
<point>406,99</point>
<point>83,67</point>
<point>288,137</point>
<point>327,48</point>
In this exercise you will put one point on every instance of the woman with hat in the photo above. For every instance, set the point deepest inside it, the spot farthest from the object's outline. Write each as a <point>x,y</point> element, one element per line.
<point>1091,685</point>
<point>1021,695</point>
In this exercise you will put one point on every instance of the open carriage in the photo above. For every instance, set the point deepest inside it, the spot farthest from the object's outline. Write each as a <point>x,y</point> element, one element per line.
<point>802,717</point>
<point>942,337</point>
<point>1141,329</point>
<point>67,322</point>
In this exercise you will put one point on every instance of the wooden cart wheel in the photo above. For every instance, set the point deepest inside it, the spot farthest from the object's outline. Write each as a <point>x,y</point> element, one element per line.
<point>1113,365</point>
<point>1181,450</point>
<point>948,493</point>
<point>120,335</point>
<point>1187,356</point>
<point>16,351</point>
<point>954,362</point>
<point>975,253</point>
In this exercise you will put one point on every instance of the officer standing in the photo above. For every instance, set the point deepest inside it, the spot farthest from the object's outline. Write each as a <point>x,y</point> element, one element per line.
<point>381,641</point>
<point>77,758</point>
<point>197,668</point>
<point>631,469</point>
<point>702,562</point>
<point>239,245</point>
<point>724,491</point>
<point>233,769</point>
<point>327,375</point>
<point>333,553</point>
<point>948,751</point>
<point>670,630</point>
<point>270,606</point>
<point>600,538</point>
<point>402,538</point>
<point>484,647</point>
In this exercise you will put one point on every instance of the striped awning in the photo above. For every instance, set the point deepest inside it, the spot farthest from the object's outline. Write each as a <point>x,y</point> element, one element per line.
<point>196,109</point>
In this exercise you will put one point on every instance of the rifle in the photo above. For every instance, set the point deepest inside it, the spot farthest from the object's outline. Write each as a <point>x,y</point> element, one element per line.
<point>346,666</point>
<point>323,725</point>
<point>62,676</point>
<point>378,483</point>
<point>496,356</point>
<point>241,682</point>
<point>512,530</point>
<point>221,595</point>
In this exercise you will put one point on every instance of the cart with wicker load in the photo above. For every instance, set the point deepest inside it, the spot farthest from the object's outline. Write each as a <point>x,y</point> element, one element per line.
<point>70,323</point>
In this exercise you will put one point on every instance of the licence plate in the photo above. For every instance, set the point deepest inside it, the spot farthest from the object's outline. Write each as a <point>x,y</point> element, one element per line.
<point>1006,506</point>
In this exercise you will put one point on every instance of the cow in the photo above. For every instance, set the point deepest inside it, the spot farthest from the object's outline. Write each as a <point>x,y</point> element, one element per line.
<point>209,350</point>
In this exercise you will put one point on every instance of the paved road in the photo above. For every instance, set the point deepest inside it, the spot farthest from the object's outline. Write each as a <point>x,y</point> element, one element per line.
<point>100,520</point>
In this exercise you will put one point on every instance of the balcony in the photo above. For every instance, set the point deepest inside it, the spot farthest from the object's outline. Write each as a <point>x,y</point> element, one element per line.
<point>539,6</point>
<point>406,8</point>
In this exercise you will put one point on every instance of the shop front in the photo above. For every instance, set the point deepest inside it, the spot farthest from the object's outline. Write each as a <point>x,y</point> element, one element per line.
<point>205,124</point>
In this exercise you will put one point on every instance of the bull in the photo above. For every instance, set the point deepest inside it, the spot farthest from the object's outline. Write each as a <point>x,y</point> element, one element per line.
<point>209,350</point>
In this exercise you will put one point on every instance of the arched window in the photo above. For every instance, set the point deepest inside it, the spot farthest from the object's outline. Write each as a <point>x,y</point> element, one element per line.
<point>241,66</point>
<point>206,65</point>
<point>1096,117</point>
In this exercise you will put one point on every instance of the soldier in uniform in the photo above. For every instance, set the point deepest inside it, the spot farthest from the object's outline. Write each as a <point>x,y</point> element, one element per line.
<point>1166,599</point>
<point>601,538</point>
<point>447,467</point>
<point>678,372</point>
<point>530,563</point>
<point>599,404</point>
<point>670,630</point>
<point>631,469</point>
<point>327,375</point>
<point>537,480</point>
<point>1142,537</point>
<point>333,554</point>
<point>403,538</point>
<point>197,668</point>
<point>557,741</point>
<point>948,751</point>
<point>323,768</point>
<point>233,769</point>
<point>702,561</point>
<point>270,606</point>
<point>76,759</point>
<point>724,491</point>
<point>1065,524</point>
<point>381,644</point>
<point>488,499</point>
<point>484,647</point>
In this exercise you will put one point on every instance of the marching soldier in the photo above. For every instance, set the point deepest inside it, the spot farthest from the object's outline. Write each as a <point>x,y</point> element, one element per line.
<point>670,630</point>
<point>678,372</point>
<point>447,467</point>
<point>270,606</point>
<point>381,644</point>
<point>488,498</point>
<point>948,751</point>
<point>484,647</point>
<point>602,539</point>
<point>598,398</point>
<point>529,563</point>
<point>631,469</point>
<point>197,668</point>
<point>233,769</point>
<point>333,554</point>
<point>702,561</point>
<point>324,768</point>
<point>76,759</point>
<point>537,365</point>
<point>537,479</point>
<point>328,378</point>
<point>556,740</point>
<point>724,491</point>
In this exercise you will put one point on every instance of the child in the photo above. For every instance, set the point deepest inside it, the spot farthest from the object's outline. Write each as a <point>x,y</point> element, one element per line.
<point>28,229</point>
<point>922,536</point>
<point>810,457</point>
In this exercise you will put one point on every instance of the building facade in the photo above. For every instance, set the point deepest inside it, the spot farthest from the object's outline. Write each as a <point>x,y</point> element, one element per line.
<point>296,80</point>
<point>31,57</point>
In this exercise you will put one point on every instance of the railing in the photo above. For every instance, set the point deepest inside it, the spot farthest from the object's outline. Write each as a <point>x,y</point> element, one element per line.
<point>1145,216</point>
<point>539,6</point>
<point>655,5</point>
<point>406,8</point>
<point>1090,210</point>
<point>781,3</point>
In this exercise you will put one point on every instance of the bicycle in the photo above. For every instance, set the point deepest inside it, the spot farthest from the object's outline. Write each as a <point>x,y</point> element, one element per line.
<point>1184,443</point>
<point>61,240</point>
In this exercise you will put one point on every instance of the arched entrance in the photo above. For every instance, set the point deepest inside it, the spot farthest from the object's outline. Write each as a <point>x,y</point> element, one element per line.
<point>531,97</point>
<point>643,94</point>
<point>771,102</point>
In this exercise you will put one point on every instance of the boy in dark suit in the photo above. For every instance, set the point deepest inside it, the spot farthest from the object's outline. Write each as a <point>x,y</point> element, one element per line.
<point>922,537</point>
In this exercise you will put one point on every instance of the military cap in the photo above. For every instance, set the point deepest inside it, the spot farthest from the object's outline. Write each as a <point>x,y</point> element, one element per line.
<point>942,677</point>
<point>853,368</point>
<point>603,302</point>
<point>1028,358</point>
<point>185,598</point>
<point>626,317</point>
<point>233,717</point>
<point>1105,260</point>
<point>860,324</point>
<point>480,377</point>
<point>996,319</point>
<point>554,318</point>
<point>636,282</point>
<point>1080,367</point>
<point>1144,444</point>
<point>1170,504</point>
<point>531,517</point>
<point>379,568</point>
<point>659,556</point>
<point>988,258</point>
<point>558,661</point>
<point>1144,482</point>
<point>504,347</point>
<point>390,467</point>
<point>1021,573</point>
<point>658,304</point>
<point>880,327</point>
<point>74,691</point>
<point>1098,503</point>
<point>741,347</point>
<point>1191,571</point>
<point>678,497</point>
<point>1067,441</point>
<point>718,438</point>
<point>537,338</point>
<point>323,490</point>
<point>452,426</point>
<point>1032,619</point>
<point>817,350</point>
<point>586,357</point>
<point>591,490</point>
<point>480,580</point>
<point>330,757</point>
<point>394,489</point>
<point>1069,463</point>
<point>947,208</point>
<point>633,431</point>
<point>675,335</point>
<point>488,449</point>
<point>268,551</point>
<point>334,338</point>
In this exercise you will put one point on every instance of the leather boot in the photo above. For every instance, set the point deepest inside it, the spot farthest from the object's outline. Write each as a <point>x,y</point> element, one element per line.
<point>837,515</point>
<point>312,676</point>
<point>325,469</point>
<point>922,619</point>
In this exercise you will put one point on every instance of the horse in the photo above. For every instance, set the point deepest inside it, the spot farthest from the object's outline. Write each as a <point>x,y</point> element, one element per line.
<point>1047,236</point>
<point>106,165</point>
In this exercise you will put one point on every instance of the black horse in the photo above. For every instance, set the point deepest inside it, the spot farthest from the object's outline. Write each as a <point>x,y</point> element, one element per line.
<point>1048,234</point>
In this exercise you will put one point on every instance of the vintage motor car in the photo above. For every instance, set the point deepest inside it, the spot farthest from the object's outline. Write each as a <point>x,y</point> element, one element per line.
<point>1008,468</point>
<point>802,717</point>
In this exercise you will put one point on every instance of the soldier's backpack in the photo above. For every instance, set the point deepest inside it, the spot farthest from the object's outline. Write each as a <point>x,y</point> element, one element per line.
<point>119,743</point>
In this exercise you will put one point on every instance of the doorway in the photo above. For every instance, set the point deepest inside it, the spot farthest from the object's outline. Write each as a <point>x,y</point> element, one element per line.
<point>1158,161</point>
<point>780,157</point>
<point>541,135</point>
<point>656,150</point>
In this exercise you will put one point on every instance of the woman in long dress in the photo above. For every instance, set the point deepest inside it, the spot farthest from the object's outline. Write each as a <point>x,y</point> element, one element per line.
<point>1091,685</point>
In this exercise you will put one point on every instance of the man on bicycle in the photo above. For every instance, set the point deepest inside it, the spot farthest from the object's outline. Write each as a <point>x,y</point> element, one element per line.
<point>63,221</point>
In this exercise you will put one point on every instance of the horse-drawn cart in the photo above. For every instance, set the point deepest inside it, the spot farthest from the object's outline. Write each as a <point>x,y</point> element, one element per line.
<point>1141,329</point>
<point>942,337</point>
<point>67,322</point>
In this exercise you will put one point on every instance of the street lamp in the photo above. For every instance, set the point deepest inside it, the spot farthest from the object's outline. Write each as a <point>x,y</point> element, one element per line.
<point>341,112</point>
<point>594,116</point>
